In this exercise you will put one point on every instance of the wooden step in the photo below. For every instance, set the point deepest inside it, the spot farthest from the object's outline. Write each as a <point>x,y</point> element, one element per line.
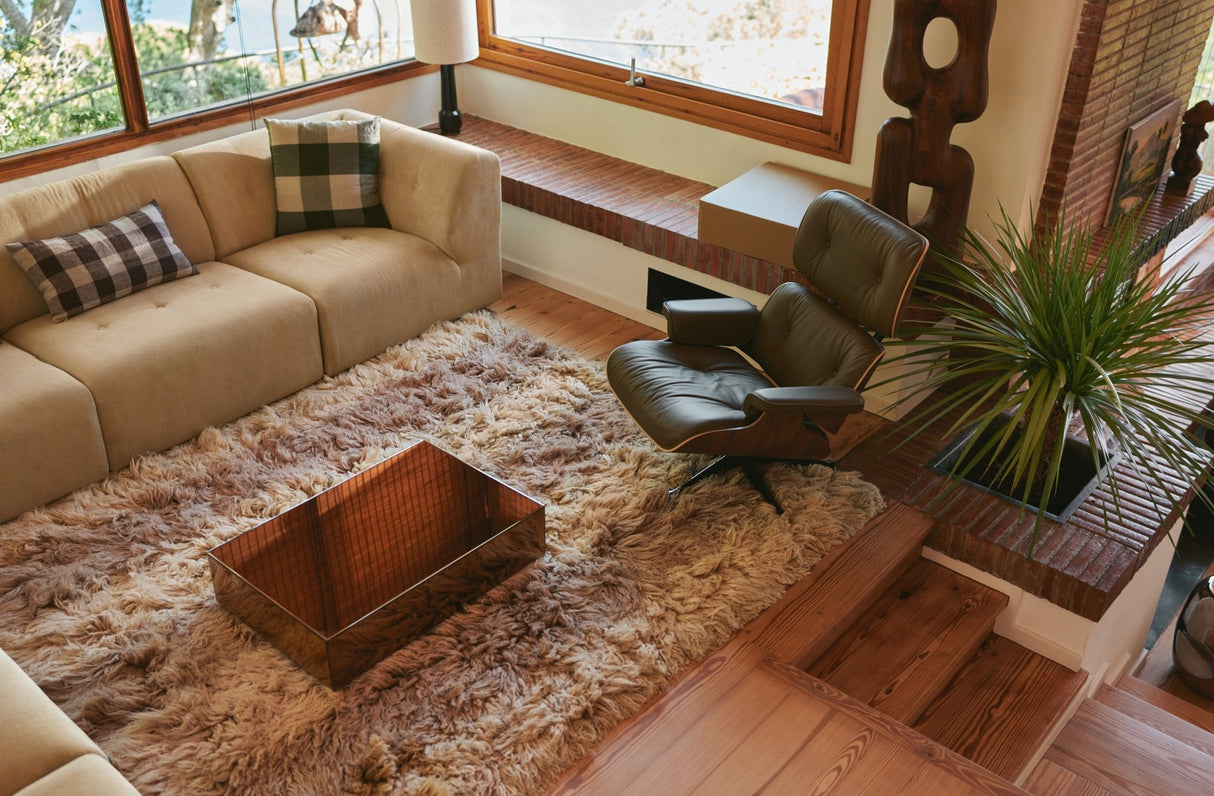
<point>1117,752</point>
<point>1002,707</point>
<point>774,730</point>
<point>1157,718</point>
<point>906,648</point>
<point>812,615</point>
<point>1181,708</point>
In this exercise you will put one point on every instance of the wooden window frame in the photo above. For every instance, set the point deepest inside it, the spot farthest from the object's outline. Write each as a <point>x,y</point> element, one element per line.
<point>828,134</point>
<point>139,131</point>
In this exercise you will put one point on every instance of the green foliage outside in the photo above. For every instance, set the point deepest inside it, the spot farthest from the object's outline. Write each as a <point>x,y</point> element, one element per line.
<point>57,84</point>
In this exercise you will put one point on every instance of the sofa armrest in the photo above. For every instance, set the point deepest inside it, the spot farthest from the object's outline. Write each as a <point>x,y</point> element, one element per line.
<point>449,193</point>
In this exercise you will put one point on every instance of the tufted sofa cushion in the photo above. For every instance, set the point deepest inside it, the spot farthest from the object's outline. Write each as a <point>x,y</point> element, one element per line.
<point>166,362</point>
<point>372,287</point>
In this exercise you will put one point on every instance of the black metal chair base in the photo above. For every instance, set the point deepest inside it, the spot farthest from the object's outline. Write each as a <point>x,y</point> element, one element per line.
<point>750,466</point>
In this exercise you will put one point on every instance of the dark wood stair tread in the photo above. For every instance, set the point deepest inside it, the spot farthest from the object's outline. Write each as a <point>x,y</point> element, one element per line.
<point>1117,752</point>
<point>840,588</point>
<point>903,652</point>
<point>1002,706</point>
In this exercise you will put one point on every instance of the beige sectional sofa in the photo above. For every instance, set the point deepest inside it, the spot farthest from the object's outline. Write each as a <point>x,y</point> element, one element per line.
<point>265,316</point>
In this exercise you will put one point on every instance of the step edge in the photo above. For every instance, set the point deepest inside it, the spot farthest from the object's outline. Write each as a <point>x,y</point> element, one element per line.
<point>1099,716</point>
<point>1175,705</point>
<point>1174,726</point>
<point>1075,683</point>
<point>1050,737</point>
<point>979,625</point>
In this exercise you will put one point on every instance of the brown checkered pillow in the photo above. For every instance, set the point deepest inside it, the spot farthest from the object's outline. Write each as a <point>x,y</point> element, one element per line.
<point>326,174</point>
<point>86,269</point>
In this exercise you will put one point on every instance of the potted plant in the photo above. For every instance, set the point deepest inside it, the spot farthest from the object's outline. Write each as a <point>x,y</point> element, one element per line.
<point>1057,335</point>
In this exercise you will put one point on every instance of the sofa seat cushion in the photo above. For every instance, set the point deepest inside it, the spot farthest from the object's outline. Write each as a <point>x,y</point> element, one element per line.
<point>167,362</point>
<point>373,287</point>
<point>50,438</point>
<point>38,739</point>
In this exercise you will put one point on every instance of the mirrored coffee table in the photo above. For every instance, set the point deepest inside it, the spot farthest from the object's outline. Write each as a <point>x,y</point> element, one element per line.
<point>342,580</point>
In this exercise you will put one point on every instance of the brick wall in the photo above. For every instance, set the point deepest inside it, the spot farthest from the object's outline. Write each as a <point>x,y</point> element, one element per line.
<point>1131,57</point>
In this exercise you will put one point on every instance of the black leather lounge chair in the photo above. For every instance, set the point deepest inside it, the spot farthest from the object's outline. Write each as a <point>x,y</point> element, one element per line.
<point>700,391</point>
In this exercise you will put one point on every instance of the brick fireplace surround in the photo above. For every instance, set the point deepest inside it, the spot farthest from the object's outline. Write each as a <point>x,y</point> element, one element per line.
<point>1131,57</point>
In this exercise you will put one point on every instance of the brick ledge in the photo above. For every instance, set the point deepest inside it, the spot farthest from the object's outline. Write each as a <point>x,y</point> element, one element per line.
<point>645,209</point>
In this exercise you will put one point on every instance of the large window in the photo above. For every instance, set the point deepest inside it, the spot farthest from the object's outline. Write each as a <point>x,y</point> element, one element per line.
<point>782,70</point>
<point>71,69</point>
<point>56,81</point>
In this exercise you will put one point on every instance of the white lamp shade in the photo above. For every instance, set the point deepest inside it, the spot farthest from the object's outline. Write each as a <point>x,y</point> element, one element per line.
<point>444,31</point>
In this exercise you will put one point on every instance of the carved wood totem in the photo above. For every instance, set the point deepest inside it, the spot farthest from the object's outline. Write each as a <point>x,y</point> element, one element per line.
<point>916,150</point>
<point>1186,163</point>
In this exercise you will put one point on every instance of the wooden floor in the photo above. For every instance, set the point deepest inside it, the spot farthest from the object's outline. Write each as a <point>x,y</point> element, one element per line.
<point>734,714</point>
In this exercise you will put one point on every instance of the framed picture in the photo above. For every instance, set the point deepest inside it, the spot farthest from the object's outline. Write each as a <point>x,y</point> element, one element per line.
<point>1143,157</point>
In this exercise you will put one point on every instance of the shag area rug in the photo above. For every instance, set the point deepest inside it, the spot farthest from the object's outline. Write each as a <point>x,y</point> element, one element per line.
<point>106,598</point>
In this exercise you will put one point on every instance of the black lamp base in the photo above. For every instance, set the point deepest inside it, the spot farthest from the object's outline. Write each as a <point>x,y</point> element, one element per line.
<point>449,119</point>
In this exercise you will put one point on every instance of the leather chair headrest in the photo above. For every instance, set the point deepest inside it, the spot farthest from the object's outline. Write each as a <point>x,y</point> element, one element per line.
<point>861,257</point>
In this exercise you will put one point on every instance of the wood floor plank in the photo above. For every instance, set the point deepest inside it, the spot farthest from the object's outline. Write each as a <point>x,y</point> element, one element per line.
<point>816,611</point>
<point>846,756</point>
<point>730,717</point>
<point>1002,707</point>
<point>772,744</point>
<point>1116,752</point>
<point>565,320</point>
<point>634,744</point>
<point>1051,779</point>
<point>902,653</point>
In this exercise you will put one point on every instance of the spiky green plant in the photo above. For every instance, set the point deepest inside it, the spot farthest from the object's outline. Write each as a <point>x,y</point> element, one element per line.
<point>1053,328</point>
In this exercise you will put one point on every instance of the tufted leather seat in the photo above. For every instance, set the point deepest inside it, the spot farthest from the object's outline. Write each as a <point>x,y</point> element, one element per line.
<point>698,391</point>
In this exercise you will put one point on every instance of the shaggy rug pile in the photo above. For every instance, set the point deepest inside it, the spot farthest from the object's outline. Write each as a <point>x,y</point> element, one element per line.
<point>106,598</point>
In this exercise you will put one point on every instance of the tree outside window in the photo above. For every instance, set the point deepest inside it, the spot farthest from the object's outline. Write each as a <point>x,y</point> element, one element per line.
<point>57,75</point>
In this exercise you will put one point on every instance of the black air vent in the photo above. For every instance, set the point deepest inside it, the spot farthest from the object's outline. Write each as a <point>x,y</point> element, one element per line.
<point>663,287</point>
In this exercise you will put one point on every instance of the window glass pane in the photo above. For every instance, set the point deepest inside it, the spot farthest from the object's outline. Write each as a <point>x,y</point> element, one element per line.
<point>205,52</point>
<point>772,49</point>
<point>56,74</point>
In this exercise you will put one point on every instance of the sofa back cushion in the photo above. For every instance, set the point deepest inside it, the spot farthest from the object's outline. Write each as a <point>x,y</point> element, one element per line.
<point>234,182</point>
<point>67,206</point>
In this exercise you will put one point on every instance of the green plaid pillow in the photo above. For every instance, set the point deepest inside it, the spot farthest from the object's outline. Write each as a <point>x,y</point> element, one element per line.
<point>326,174</point>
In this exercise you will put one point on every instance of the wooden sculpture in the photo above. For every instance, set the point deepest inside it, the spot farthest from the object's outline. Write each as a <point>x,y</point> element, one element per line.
<point>916,150</point>
<point>1186,163</point>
